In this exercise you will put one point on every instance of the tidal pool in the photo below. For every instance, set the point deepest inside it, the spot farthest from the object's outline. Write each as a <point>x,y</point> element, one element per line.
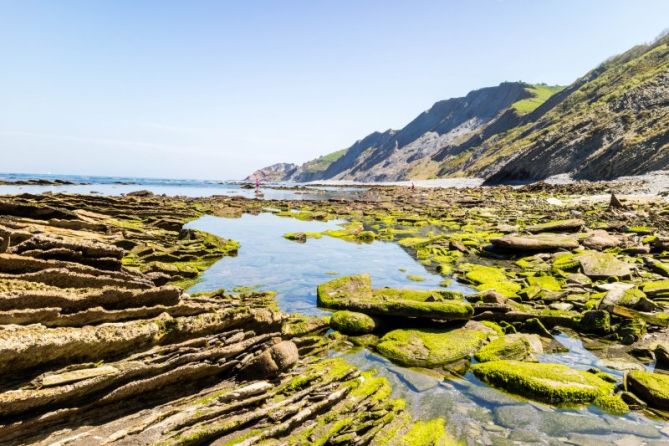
<point>474,411</point>
<point>268,261</point>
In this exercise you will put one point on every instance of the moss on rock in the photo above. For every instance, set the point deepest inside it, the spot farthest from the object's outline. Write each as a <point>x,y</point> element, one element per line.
<point>553,383</point>
<point>515,346</point>
<point>490,278</point>
<point>355,293</point>
<point>595,321</point>
<point>428,433</point>
<point>350,322</point>
<point>430,348</point>
<point>613,404</point>
<point>652,388</point>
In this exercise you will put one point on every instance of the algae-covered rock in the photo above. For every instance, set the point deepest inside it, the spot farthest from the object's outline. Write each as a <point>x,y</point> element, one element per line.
<point>538,242</point>
<point>514,346</point>
<point>613,404</point>
<point>595,321</point>
<point>296,236</point>
<point>428,433</point>
<point>430,348</point>
<point>600,265</point>
<point>337,291</point>
<point>652,388</point>
<point>490,278</point>
<point>350,322</point>
<point>656,288</point>
<point>300,325</point>
<point>553,383</point>
<point>631,330</point>
<point>355,293</point>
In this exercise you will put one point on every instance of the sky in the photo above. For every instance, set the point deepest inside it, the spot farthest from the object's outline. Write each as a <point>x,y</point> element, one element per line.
<point>217,89</point>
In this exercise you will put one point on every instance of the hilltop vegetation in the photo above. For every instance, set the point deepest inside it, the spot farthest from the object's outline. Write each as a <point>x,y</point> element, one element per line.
<point>540,94</point>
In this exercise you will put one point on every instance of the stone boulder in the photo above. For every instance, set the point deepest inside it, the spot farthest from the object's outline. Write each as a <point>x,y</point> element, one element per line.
<point>652,388</point>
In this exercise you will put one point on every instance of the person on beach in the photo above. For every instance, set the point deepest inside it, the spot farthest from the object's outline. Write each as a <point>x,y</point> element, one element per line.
<point>257,185</point>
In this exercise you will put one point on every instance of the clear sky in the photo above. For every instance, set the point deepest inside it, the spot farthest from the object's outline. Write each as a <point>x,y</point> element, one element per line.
<point>215,89</point>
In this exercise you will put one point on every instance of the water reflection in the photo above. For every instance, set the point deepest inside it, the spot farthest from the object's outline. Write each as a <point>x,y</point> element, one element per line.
<point>270,262</point>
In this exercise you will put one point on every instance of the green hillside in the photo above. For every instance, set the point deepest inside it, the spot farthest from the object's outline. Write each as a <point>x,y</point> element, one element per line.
<point>540,92</point>
<point>320,164</point>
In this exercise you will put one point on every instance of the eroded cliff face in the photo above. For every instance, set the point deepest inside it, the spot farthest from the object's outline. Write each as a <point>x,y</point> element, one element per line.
<point>400,154</point>
<point>275,172</point>
<point>613,121</point>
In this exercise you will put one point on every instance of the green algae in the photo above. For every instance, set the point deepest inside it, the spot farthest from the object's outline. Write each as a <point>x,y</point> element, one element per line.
<point>596,322</point>
<point>430,348</point>
<point>354,293</point>
<point>612,404</point>
<point>548,283</point>
<point>490,278</point>
<point>553,383</point>
<point>653,388</point>
<point>565,262</point>
<point>515,347</point>
<point>428,433</point>
<point>350,322</point>
<point>656,287</point>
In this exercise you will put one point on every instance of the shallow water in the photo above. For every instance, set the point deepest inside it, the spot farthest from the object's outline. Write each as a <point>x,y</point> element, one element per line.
<point>270,262</point>
<point>483,415</point>
<point>474,411</point>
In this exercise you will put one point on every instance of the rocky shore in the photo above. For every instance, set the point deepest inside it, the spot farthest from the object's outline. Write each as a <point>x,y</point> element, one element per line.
<point>100,344</point>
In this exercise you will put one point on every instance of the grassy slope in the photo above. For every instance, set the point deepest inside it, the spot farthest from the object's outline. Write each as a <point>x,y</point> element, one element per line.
<point>322,163</point>
<point>540,92</point>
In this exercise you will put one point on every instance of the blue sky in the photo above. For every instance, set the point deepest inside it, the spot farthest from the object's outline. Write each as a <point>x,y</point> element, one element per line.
<point>215,89</point>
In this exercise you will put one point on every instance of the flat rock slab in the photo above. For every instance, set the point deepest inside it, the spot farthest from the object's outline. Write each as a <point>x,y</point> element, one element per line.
<point>573,224</point>
<point>77,375</point>
<point>600,240</point>
<point>537,242</point>
<point>354,293</point>
<point>554,383</point>
<point>599,265</point>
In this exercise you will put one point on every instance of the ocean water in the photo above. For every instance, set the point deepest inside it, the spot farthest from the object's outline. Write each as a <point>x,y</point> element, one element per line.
<point>474,411</point>
<point>115,186</point>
